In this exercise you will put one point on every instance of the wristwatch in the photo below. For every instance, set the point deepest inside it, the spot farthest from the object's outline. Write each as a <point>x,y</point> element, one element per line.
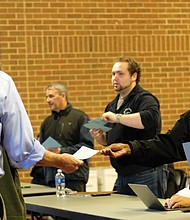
<point>118,116</point>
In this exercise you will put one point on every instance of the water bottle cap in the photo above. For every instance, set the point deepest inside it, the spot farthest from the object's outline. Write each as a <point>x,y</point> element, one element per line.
<point>59,171</point>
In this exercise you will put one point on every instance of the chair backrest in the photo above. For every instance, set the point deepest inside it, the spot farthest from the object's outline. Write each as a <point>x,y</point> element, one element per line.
<point>180,178</point>
<point>177,180</point>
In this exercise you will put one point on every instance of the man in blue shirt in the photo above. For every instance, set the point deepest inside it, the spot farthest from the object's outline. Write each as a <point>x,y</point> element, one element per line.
<point>20,146</point>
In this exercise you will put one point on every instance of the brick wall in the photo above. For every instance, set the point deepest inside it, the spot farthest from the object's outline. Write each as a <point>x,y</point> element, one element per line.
<point>77,41</point>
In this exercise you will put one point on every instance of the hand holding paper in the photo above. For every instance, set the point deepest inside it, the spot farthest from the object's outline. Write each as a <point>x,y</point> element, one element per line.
<point>97,124</point>
<point>85,153</point>
<point>50,143</point>
<point>82,154</point>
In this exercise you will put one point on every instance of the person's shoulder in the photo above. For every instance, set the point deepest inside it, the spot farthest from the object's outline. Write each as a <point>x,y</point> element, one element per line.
<point>47,119</point>
<point>186,114</point>
<point>78,111</point>
<point>112,103</point>
<point>4,76</point>
<point>7,85</point>
<point>141,92</point>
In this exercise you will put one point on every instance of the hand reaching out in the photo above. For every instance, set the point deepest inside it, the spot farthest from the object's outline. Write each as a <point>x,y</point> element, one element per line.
<point>99,136</point>
<point>116,150</point>
<point>70,163</point>
<point>109,117</point>
<point>66,162</point>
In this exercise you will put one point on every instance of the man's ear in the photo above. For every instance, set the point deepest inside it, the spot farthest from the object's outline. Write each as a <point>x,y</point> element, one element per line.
<point>63,95</point>
<point>134,76</point>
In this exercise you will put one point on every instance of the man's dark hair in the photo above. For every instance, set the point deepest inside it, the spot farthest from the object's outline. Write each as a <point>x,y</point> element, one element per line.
<point>133,66</point>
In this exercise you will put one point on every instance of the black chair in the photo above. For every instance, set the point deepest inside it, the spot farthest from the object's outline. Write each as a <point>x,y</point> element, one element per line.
<point>177,180</point>
<point>181,178</point>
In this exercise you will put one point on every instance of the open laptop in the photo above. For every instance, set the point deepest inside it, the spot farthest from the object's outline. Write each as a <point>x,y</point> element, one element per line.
<point>148,197</point>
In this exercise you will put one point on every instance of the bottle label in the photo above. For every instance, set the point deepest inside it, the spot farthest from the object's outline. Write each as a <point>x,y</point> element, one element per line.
<point>59,180</point>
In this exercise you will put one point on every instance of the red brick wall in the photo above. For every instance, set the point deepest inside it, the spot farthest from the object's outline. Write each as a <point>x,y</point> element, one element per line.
<point>77,41</point>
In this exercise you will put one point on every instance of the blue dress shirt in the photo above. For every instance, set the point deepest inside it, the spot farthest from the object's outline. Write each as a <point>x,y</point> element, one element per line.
<point>16,134</point>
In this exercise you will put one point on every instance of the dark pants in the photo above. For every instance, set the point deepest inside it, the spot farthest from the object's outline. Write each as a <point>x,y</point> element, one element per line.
<point>10,191</point>
<point>154,178</point>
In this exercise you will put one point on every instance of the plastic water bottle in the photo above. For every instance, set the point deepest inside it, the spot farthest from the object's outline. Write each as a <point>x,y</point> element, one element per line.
<point>60,183</point>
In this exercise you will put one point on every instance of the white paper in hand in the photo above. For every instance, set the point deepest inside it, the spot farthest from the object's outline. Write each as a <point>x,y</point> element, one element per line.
<point>85,153</point>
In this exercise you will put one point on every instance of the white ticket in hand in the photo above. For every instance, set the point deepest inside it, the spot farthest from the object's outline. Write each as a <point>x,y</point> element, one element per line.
<point>85,153</point>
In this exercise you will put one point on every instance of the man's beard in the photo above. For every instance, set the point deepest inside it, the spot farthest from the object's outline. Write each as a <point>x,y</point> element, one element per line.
<point>121,88</point>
